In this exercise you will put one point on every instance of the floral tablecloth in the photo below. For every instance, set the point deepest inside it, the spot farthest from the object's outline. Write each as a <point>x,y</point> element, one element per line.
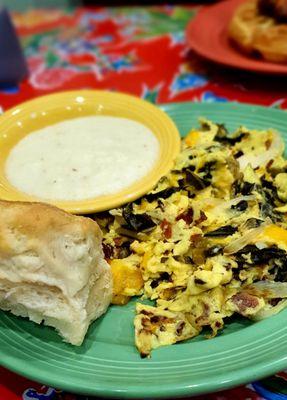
<point>136,50</point>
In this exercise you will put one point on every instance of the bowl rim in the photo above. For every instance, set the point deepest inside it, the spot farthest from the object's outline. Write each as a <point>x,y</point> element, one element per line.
<point>82,100</point>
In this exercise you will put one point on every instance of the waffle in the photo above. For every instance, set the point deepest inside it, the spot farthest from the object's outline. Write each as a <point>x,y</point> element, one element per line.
<point>257,33</point>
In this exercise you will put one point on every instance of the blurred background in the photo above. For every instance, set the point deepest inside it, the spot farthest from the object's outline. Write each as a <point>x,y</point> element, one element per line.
<point>21,5</point>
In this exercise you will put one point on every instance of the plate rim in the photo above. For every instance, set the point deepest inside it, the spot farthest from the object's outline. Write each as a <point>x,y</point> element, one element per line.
<point>171,389</point>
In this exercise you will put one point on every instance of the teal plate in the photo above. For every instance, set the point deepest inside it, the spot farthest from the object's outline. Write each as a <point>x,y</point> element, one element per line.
<point>108,365</point>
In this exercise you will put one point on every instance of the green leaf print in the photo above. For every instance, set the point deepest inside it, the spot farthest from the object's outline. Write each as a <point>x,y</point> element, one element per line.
<point>154,22</point>
<point>51,59</point>
<point>275,384</point>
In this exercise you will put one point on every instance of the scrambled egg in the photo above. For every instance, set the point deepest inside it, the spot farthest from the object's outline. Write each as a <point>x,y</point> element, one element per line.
<point>207,240</point>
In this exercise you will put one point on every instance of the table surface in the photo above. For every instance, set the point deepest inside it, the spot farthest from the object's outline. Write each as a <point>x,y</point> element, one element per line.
<point>137,50</point>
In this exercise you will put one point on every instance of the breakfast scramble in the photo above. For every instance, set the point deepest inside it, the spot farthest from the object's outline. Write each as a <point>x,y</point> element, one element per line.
<point>208,242</point>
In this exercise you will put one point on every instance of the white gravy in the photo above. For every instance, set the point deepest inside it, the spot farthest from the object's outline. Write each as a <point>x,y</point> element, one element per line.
<point>82,158</point>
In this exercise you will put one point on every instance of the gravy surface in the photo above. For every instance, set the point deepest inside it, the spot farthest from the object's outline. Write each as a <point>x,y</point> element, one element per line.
<point>82,158</point>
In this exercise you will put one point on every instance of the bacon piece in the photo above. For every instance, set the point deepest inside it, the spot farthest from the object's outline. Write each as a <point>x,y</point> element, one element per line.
<point>108,251</point>
<point>166,229</point>
<point>244,302</point>
<point>202,218</point>
<point>187,216</point>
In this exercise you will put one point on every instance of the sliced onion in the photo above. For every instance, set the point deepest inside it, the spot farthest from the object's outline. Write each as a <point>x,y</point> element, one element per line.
<point>215,206</point>
<point>270,289</point>
<point>261,245</point>
<point>276,149</point>
<point>269,310</point>
<point>227,204</point>
<point>238,244</point>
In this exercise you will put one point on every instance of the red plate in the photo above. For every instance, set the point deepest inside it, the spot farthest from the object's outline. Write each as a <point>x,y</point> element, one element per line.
<point>207,35</point>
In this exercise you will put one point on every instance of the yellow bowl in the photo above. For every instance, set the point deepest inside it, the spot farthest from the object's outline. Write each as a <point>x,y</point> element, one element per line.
<point>47,110</point>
